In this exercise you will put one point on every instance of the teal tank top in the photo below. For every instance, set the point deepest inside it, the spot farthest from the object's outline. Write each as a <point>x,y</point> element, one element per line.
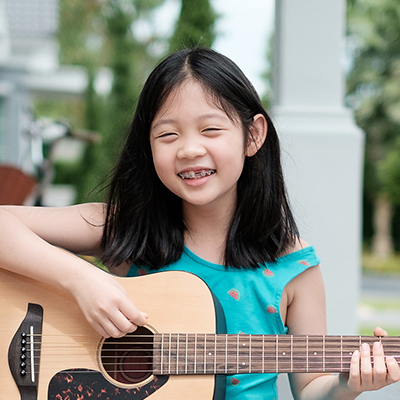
<point>250,300</point>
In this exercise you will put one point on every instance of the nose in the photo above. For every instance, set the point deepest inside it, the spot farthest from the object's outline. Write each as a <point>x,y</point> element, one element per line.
<point>190,148</point>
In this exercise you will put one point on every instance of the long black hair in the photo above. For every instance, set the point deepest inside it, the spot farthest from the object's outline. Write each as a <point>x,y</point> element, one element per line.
<point>144,221</point>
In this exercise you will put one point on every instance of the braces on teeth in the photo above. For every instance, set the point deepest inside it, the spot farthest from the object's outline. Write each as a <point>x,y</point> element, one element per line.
<point>196,175</point>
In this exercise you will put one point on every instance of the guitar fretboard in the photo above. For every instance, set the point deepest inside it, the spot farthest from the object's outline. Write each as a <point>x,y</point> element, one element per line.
<point>188,354</point>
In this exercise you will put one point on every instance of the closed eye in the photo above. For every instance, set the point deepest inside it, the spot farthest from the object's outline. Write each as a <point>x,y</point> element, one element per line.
<point>166,135</point>
<point>211,130</point>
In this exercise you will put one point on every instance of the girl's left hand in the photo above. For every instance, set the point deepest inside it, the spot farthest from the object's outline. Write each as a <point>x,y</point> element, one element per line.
<point>365,377</point>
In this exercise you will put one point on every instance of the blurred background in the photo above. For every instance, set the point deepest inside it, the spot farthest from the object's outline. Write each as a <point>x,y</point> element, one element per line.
<point>71,72</point>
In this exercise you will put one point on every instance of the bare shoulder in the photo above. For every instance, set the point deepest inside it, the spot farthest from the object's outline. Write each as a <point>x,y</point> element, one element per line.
<point>306,292</point>
<point>308,278</point>
<point>299,245</point>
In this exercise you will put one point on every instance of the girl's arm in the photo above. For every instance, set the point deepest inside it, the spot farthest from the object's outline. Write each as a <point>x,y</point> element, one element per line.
<point>306,315</point>
<point>30,241</point>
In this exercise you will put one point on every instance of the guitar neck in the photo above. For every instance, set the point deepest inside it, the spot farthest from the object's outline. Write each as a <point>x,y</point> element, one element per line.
<point>192,354</point>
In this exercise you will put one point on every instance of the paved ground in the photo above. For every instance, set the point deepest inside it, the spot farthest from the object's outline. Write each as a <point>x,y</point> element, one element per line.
<point>375,285</point>
<point>375,288</point>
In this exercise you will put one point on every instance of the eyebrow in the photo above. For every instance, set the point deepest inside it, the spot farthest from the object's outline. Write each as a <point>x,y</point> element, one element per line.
<point>200,118</point>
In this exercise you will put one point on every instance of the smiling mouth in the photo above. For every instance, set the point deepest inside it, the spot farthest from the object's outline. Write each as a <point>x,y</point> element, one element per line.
<point>197,175</point>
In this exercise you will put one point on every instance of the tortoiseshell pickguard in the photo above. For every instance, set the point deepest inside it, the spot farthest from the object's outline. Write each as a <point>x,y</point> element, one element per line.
<point>83,384</point>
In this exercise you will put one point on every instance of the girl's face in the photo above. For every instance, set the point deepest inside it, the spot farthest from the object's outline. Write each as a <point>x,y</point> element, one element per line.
<point>198,152</point>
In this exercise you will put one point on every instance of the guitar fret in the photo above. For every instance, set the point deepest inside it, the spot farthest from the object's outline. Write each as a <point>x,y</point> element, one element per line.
<point>205,353</point>
<point>307,355</point>
<point>226,354</point>
<point>285,357</point>
<point>291,353</point>
<point>300,353</point>
<point>195,354</point>
<point>315,354</point>
<point>201,364</point>
<point>243,354</point>
<point>334,353</point>
<point>237,354</point>
<point>215,354</point>
<point>277,354</point>
<point>186,355</point>
<point>263,355</point>
<point>177,354</point>
<point>162,352</point>
<point>232,354</point>
<point>249,354</point>
<point>169,355</point>
<point>341,353</point>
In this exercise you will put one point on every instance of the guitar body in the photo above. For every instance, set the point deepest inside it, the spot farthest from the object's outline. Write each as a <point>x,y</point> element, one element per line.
<point>68,342</point>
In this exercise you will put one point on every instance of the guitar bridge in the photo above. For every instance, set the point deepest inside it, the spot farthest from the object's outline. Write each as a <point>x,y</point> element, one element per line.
<point>24,352</point>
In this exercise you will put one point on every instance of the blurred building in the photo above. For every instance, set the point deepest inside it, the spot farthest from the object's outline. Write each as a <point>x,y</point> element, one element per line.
<point>29,67</point>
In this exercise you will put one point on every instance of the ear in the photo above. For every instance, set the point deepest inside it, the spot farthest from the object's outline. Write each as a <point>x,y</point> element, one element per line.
<point>258,132</point>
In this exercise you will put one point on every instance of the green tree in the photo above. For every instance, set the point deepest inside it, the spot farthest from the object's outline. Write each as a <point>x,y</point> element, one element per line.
<point>98,33</point>
<point>374,91</point>
<point>195,26</point>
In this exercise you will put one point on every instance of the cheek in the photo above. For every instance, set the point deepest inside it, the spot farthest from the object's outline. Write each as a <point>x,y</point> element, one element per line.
<point>231,158</point>
<point>162,164</point>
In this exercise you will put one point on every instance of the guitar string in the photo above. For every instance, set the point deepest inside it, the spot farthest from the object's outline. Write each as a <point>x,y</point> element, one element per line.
<point>221,360</point>
<point>182,346</point>
<point>272,338</point>
<point>311,347</point>
<point>57,350</point>
<point>140,346</point>
<point>317,341</point>
<point>388,343</point>
<point>221,351</point>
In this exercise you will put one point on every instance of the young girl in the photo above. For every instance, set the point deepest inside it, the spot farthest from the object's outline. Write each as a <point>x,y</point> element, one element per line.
<point>198,188</point>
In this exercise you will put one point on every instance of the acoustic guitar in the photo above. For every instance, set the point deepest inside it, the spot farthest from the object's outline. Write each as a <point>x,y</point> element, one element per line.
<point>49,352</point>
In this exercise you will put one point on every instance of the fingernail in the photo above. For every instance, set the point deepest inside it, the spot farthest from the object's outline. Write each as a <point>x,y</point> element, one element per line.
<point>377,346</point>
<point>365,348</point>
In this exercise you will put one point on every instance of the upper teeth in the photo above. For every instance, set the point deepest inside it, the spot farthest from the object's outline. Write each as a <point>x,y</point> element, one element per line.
<point>196,175</point>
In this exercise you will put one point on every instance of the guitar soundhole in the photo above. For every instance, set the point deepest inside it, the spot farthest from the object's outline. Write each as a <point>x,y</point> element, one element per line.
<point>129,360</point>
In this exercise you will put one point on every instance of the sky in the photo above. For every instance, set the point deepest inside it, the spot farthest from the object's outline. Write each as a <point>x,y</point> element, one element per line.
<point>243,31</point>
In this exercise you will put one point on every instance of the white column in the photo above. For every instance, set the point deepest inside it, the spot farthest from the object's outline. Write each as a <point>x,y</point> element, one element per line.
<point>322,146</point>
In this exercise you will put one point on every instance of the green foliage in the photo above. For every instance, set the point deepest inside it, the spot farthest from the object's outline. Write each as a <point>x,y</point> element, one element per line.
<point>94,34</point>
<point>195,26</point>
<point>81,31</point>
<point>374,83</point>
<point>389,173</point>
